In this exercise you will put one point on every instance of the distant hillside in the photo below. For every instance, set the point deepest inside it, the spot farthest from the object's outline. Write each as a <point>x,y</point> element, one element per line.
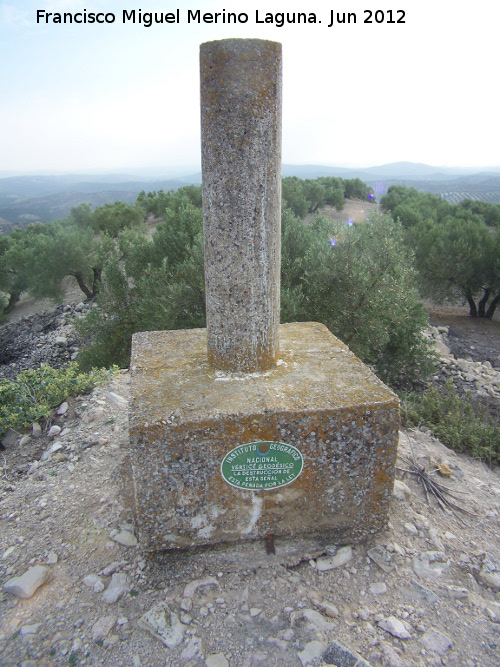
<point>25,199</point>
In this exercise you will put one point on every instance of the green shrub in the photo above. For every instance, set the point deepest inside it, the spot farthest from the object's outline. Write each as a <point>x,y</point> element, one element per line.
<point>35,392</point>
<point>456,421</point>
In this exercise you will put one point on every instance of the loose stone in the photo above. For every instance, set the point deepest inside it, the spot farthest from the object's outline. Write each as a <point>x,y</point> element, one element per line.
<point>378,588</point>
<point>216,660</point>
<point>341,557</point>
<point>125,538</point>
<point>102,627</point>
<point>490,572</point>
<point>27,584</point>
<point>186,604</point>
<point>191,588</point>
<point>54,431</point>
<point>30,629</point>
<point>120,584</point>
<point>401,491</point>
<point>163,624</point>
<point>193,649</point>
<point>433,640</point>
<point>395,627</point>
<point>422,592</point>
<point>312,651</point>
<point>382,558</point>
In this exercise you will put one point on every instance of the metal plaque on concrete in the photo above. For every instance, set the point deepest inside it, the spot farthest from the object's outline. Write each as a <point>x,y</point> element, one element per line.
<point>258,466</point>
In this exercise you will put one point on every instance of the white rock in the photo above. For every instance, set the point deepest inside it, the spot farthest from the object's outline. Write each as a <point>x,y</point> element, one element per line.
<point>378,588</point>
<point>7,552</point>
<point>430,564</point>
<point>95,582</point>
<point>26,585</point>
<point>163,624</point>
<point>125,538</point>
<point>341,557</point>
<point>193,648</point>
<point>52,558</point>
<point>102,627</point>
<point>216,660</point>
<point>411,529</point>
<point>490,572</point>
<point>63,408</point>
<point>31,629</point>
<point>190,589</point>
<point>255,611</point>
<point>186,604</point>
<point>312,651</point>
<point>433,640</point>
<point>119,584</point>
<point>401,491</point>
<point>53,431</point>
<point>61,340</point>
<point>76,646</point>
<point>36,430</point>
<point>395,627</point>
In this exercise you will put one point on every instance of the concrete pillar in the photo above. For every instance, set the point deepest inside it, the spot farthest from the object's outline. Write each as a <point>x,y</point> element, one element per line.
<point>241,167</point>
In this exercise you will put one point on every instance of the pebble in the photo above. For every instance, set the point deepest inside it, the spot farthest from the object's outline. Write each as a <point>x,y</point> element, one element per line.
<point>341,557</point>
<point>401,491</point>
<point>193,648</point>
<point>191,588</point>
<point>255,611</point>
<point>411,529</point>
<point>63,408</point>
<point>216,660</point>
<point>395,627</point>
<point>312,651</point>
<point>119,584</point>
<point>490,571</point>
<point>433,640</point>
<point>52,558</point>
<point>125,538</point>
<point>7,552</point>
<point>95,582</point>
<point>186,604</point>
<point>102,627</point>
<point>54,431</point>
<point>30,629</point>
<point>378,588</point>
<point>382,558</point>
<point>163,624</point>
<point>27,584</point>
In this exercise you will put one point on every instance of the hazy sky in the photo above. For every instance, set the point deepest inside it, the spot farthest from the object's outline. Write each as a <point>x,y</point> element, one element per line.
<point>119,95</point>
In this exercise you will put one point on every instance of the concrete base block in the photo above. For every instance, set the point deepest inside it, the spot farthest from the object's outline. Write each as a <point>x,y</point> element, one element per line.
<point>186,418</point>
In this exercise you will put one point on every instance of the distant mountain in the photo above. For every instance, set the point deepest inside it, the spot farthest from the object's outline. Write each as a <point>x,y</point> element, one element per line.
<point>45,197</point>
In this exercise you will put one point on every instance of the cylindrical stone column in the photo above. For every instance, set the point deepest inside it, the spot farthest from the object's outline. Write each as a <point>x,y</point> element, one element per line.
<point>241,171</point>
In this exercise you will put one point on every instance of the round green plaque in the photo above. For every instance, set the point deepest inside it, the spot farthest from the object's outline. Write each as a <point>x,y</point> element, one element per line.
<point>259,466</point>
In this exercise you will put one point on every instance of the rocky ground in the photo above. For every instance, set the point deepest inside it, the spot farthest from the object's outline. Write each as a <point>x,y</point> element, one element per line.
<point>48,337</point>
<point>78,589</point>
